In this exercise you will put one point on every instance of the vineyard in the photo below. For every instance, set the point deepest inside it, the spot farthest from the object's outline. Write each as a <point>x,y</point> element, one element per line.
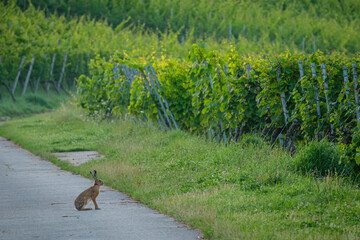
<point>287,99</point>
<point>308,25</point>
<point>211,112</point>
<point>218,87</point>
<point>48,52</point>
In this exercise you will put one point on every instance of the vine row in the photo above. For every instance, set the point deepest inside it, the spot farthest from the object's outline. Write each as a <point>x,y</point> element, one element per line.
<point>290,97</point>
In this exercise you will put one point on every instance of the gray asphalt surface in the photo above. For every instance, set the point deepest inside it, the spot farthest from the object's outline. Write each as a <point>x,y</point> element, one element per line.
<point>37,202</point>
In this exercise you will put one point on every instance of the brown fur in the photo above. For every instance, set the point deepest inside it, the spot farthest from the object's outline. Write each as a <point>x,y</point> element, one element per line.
<point>89,194</point>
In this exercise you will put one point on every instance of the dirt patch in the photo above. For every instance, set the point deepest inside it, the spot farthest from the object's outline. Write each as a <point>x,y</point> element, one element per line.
<point>78,158</point>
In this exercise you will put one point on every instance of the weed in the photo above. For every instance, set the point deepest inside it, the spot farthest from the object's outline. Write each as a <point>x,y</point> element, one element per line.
<point>319,158</point>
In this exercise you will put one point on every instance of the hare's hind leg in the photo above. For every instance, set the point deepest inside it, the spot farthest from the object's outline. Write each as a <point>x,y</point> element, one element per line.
<point>80,206</point>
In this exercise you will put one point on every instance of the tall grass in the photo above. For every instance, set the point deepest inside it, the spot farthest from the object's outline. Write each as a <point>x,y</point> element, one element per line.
<point>29,104</point>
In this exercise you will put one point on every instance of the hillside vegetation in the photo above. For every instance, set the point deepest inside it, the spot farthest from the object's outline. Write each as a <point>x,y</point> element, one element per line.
<point>48,39</point>
<point>45,28</point>
<point>276,25</point>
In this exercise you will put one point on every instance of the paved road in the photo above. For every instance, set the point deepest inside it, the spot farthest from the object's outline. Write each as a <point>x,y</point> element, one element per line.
<point>36,202</point>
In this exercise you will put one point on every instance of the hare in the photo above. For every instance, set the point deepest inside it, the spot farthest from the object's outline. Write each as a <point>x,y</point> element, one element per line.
<point>90,193</point>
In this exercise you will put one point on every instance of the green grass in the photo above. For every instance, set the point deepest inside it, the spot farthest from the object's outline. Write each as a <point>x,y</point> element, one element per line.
<point>29,104</point>
<point>243,191</point>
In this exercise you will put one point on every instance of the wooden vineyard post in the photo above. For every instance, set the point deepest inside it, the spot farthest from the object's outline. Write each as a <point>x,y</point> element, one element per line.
<point>166,103</point>
<point>155,77</point>
<point>226,70</point>
<point>58,85</point>
<point>52,64</point>
<point>128,75</point>
<point>282,97</point>
<point>17,76</point>
<point>221,125</point>
<point>248,74</point>
<point>28,76</point>
<point>209,76</point>
<point>134,72</point>
<point>151,94</point>
<point>301,69</point>
<point>158,97</point>
<point>355,76</point>
<point>115,70</point>
<point>326,86</point>
<point>283,104</point>
<point>39,78</point>
<point>76,72</point>
<point>47,86</point>
<point>346,79</point>
<point>230,30</point>
<point>248,70</point>
<point>211,85</point>
<point>125,70</point>
<point>128,72</point>
<point>313,72</point>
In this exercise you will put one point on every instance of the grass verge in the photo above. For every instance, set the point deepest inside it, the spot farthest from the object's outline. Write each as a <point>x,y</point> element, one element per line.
<point>244,191</point>
<point>30,104</point>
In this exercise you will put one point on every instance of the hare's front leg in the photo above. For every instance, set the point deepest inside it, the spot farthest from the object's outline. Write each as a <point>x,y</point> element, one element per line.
<point>96,206</point>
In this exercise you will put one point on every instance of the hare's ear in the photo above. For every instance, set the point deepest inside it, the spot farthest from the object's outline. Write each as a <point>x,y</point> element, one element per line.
<point>93,174</point>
